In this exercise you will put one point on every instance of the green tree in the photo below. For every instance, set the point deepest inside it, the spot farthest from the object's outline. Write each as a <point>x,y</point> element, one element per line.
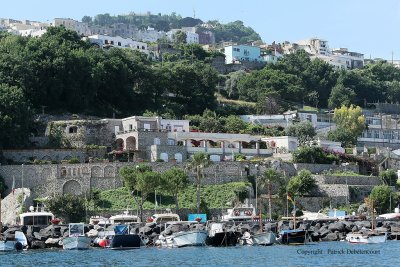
<point>302,184</point>
<point>197,163</point>
<point>210,122</point>
<point>68,207</point>
<point>142,181</point>
<point>16,117</point>
<point>231,84</point>
<point>344,136</point>
<point>265,182</point>
<point>304,131</point>
<point>380,197</point>
<point>341,96</point>
<point>174,181</point>
<point>180,37</point>
<point>388,177</point>
<point>234,124</point>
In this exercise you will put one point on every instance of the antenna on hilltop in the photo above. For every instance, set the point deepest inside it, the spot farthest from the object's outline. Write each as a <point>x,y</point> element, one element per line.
<point>194,13</point>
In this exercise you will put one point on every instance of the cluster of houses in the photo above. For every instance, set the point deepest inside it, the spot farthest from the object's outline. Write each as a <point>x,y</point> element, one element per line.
<point>122,35</point>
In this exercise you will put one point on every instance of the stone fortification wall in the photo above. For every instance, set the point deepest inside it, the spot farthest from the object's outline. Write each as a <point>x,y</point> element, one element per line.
<point>25,155</point>
<point>51,179</point>
<point>320,168</point>
<point>45,180</point>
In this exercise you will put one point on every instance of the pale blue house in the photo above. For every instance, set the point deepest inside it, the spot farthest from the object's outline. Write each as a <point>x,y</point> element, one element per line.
<point>241,53</point>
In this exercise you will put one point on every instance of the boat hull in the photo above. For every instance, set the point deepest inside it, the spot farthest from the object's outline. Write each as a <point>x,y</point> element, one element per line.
<point>76,242</point>
<point>264,239</point>
<point>366,239</point>
<point>223,239</point>
<point>125,242</point>
<point>190,238</point>
<point>10,245</point>
<point>294,237</point>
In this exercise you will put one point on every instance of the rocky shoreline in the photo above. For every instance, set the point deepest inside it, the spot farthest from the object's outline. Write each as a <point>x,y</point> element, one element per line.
<point>52,236</point>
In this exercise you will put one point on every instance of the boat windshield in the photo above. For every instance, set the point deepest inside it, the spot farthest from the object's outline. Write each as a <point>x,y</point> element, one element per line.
<point>77,229</point>
<point>37,220</point>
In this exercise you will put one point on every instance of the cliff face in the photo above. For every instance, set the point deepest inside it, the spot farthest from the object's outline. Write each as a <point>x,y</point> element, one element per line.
<point>12,205</point>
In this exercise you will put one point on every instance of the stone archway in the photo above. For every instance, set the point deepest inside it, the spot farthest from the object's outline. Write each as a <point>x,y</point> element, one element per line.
<point>131,143</point>
<point>120,144</point>
<point>72,187</point>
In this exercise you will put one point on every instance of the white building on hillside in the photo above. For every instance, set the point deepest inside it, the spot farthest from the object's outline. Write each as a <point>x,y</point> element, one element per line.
<point>105,41</point>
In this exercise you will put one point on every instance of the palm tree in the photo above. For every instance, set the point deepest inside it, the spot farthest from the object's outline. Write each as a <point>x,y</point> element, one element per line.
<point>270,176</point>
<point>198,163</point>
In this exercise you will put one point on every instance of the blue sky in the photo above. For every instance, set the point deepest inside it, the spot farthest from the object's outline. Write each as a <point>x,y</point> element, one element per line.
<point>366,26</point>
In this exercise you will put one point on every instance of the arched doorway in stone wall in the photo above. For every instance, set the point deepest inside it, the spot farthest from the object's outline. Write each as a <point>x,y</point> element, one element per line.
<point>72,187</point>
<point>131,143</point>
<point>120,144</point>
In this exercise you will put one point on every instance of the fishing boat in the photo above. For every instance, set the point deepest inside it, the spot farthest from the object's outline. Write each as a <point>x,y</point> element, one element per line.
<point>160,218</point>
<point>240,213</point>
<point>366,238</point>
<point>76,237</point>
<point>258,239</point>
<point>294,237</point>
<point>123,239</point>
<point>36,217</point>
<point>17,244</point>
<point>219,235</point>
<point>183,238</point>
<point>124,218</point>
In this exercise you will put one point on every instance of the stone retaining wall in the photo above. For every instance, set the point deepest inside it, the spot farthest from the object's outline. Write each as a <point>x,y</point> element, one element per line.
<point>320,168</point>
<point>348,180</point>
<point>25,155</point>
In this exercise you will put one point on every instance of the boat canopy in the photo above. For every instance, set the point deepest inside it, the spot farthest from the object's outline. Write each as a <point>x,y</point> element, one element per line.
<point>121,229</point>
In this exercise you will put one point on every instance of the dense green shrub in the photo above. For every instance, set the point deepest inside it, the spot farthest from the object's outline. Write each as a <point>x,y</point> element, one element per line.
<point>388,177</point>
<point>314,155</point>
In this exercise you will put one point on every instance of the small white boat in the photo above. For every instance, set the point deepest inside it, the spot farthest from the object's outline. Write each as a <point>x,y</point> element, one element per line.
<point>190,238</point>
<point>76,238</point>
<point>19,243</point>
<point>259,239</point>
<point>366,238</point>
<point>183,238</point>
<point>10,245</point>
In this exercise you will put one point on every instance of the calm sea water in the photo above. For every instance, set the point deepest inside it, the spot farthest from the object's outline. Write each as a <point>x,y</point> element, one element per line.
<point>319,254</point>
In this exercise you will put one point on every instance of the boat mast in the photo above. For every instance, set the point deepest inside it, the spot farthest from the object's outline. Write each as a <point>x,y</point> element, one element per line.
<point>294,216</point>
<point>373,215</point>
<point>260,217</point>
